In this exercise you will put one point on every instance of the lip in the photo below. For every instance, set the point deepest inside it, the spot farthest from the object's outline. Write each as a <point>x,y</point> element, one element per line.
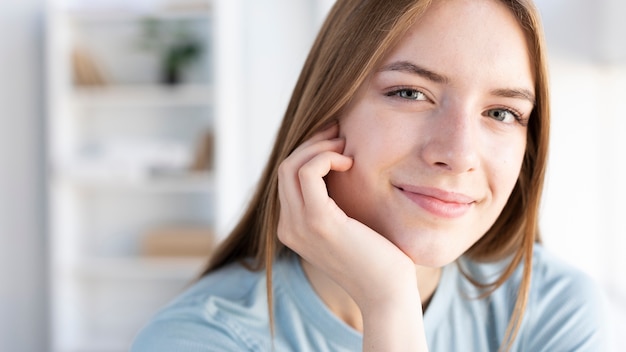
<point>438,202</point>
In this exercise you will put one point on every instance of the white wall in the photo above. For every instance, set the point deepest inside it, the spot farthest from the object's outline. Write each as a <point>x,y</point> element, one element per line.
<point>582,217</point>
<point>22,240</point>
<point>588,30</point>
<point>271,39</point>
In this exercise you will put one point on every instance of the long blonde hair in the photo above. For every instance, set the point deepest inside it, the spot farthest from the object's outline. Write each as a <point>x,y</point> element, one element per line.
<point>352,42</point>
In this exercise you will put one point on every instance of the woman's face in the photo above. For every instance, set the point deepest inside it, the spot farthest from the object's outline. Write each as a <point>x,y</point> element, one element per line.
<point>438,132</point>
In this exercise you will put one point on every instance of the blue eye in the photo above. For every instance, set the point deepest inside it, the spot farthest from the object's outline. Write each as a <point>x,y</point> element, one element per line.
<point>503,115</point>
<point>409,94</point>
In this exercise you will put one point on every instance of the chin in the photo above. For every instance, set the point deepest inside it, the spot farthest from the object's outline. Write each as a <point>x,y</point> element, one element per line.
<point>429,251</point>
<point>433,261</point>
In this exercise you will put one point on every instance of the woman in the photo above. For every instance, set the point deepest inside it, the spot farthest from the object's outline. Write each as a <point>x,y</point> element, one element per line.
<point>408,169</point>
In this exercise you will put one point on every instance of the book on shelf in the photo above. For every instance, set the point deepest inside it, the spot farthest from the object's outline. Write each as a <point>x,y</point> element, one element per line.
<point>178,242</point>
<point>203,158</point>
<point>86,71</point>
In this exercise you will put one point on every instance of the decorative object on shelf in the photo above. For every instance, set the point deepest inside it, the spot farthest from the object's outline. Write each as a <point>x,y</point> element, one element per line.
<point>176,45</point>
<point>178,242</point>
<point>203,159</point>
<point>134,157</point>
<point>85,69</point>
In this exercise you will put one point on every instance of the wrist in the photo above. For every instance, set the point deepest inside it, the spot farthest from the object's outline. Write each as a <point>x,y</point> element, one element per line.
<point>395,324</point>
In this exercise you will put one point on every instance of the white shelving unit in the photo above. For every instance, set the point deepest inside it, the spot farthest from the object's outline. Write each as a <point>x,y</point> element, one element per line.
<point>119,152</point>
<point>120,149</point>
<point>144,95</point>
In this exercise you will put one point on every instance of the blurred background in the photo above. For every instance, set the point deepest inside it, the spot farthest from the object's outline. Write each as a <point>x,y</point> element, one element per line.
<point>133,131</point>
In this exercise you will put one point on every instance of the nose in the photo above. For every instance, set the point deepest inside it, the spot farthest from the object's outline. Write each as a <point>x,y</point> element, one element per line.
<point>453,142</point>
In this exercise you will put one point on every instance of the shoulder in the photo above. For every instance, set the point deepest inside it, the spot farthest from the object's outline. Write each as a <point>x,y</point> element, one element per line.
<point>554,280</point>
<point>566,308</point>
<point>210,315</point>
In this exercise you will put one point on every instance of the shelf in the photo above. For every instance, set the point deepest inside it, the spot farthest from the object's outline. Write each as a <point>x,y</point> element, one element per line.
<point>143,96</point>
<point>200,182</point>
<point>121,15</point>
<point>141,268</point>
<point>115,11</point>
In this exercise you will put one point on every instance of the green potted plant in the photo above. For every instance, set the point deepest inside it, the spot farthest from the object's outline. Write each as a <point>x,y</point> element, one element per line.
<point>175,44</point>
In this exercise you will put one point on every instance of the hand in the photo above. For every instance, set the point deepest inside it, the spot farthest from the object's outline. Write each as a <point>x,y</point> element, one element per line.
<point>379,277</point>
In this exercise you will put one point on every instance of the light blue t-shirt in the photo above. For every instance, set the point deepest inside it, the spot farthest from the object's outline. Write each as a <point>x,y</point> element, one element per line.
<point>227,311</point>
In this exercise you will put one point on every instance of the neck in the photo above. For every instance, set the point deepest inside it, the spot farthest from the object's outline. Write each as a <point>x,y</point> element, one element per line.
<point>344,307</point>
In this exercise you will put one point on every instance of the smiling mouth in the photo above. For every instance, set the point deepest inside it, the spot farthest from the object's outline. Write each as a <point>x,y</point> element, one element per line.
<point>438,202</point>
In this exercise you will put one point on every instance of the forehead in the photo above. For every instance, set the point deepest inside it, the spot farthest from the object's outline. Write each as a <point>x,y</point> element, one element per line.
<point>477,40</point>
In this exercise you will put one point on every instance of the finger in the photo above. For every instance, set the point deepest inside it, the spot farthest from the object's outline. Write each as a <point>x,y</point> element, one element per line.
<point>288,181</point>
<point>294,215</point>
<point>304,153</point>
<point>292,212</point>
<point>311,178</point>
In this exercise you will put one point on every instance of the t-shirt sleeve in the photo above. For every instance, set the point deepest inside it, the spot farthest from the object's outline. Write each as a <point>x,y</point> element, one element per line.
<point>180,332</point>
<point>162,337</point>
<point>568,313</point>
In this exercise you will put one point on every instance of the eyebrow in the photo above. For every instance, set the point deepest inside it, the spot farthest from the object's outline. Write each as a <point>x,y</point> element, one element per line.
<point>409,67</point>
<point>517,93</point>
<point>405,66</point>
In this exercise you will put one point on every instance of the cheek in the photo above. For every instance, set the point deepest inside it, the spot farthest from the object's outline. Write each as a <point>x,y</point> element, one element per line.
<point>374,139</point>
<point>367,126</point>
<point>507,169</point>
